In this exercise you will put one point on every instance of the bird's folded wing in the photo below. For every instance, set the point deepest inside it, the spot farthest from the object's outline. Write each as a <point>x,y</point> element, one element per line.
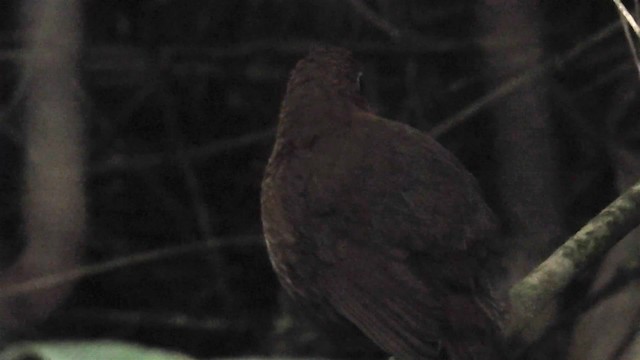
<point>384,299</point>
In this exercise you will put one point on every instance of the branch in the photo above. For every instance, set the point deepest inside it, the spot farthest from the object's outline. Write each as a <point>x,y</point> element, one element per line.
<point>532,294</point>
<point>375,20</point>
<point>154,319</point>
<point>518,81</point>
<point>194,188</point>
<point>410,38</point>
<point>68,276</point>
<point>193,154</point>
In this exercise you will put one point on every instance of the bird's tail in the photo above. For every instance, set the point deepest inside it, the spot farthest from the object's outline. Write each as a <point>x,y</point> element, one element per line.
<point>472,333</point>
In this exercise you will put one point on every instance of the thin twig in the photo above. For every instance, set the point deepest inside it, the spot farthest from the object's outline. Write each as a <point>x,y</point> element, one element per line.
<point>193,183</point>
<point>627,21</point>
<point>411,38</point>
<point>514,83</point>
<point>627,16</point>
<point>374,19</point>
<point>198,153</point>
<point>199,207</point>
<point>60,278</point>
<point>149,319</point>
<point>603,78</point>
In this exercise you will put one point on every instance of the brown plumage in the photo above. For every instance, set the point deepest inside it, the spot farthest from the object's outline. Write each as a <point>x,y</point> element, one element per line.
<point>376,221</point>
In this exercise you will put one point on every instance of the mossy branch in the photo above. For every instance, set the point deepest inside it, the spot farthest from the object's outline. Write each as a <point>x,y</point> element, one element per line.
<point>538,289</point>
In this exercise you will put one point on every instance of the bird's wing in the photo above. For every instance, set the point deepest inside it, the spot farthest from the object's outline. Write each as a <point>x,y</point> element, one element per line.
<point>378,293</point>
<point>398,224</point>
<point>418,195</point>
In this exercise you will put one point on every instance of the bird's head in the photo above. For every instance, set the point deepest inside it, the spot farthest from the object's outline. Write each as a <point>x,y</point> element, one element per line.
<point>326,74</point>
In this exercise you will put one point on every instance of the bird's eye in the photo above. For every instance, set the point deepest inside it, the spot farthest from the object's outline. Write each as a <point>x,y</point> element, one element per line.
<point>359,81</point>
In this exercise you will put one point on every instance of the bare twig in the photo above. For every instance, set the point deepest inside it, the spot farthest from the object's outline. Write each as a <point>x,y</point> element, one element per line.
<point>627,21</point>
<point>516,82</point>
<point>602,79</point>
<point>374,19</point>
<point>194,188</point>
<point>414,40</point>
<point>626,15</point>
<point>195,154</point>
<point>193,184</point>
<point>59,278</point>
<point>156,320</point>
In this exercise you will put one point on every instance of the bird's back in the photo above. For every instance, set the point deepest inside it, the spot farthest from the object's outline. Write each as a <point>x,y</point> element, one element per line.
<point>377,222</point>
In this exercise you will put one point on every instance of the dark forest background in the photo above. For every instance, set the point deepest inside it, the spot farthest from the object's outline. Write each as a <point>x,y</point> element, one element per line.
<point>180,100</point>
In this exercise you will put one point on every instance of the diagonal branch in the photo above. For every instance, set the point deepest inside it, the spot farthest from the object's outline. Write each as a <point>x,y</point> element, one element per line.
<point>194,154</point>
<point>375,20</point>
<point>518,81</point>
<point>68,276</point>
<point>532,294</point>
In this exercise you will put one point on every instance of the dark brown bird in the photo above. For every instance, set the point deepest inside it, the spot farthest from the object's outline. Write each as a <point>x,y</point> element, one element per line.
<point>376,221</point>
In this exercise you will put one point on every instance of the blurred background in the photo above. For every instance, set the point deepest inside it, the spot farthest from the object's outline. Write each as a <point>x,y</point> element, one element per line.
<point>132,126</point>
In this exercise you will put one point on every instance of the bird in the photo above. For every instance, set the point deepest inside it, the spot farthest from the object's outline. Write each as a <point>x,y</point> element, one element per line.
<point>375,223</point>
